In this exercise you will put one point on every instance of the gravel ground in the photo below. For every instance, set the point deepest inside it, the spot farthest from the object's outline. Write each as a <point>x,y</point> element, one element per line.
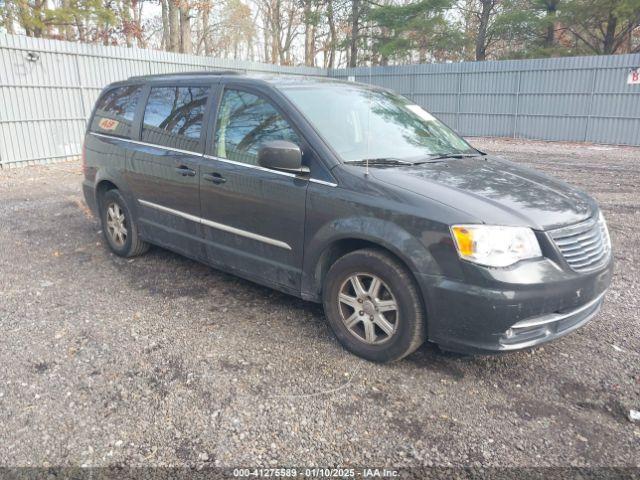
<point>163,361</point>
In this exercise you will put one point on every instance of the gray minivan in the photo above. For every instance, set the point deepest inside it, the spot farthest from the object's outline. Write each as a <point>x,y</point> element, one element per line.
<point>352,196</point>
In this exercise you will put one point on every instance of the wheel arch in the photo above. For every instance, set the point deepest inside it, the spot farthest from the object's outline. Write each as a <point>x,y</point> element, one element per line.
<point>399,244</point>
<point>109,179</point>
<point>102,187</point>
<point>342,247</point>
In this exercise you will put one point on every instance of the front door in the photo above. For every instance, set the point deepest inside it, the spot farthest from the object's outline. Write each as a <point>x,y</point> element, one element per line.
<point>164,167</point>
<point>253,217</point>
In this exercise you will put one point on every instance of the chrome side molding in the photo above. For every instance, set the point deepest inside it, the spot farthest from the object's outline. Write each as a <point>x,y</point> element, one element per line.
<point>145,144</point>
<point>216,225</point>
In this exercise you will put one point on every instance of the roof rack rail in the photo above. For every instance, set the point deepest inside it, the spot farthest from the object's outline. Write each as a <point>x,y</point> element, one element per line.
<point>184,74</point>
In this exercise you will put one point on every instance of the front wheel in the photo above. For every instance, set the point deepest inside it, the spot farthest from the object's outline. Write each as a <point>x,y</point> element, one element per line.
<point>373,306</point>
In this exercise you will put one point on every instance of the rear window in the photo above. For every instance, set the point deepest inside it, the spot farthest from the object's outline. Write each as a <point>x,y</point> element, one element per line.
<point>173,117</point>
<point>115,111</point>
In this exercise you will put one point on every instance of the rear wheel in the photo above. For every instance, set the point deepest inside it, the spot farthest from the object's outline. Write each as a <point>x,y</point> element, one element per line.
<point>373,306</point>
<point>119,227</point>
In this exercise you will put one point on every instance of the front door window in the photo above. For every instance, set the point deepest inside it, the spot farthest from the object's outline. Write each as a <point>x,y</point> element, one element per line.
<point>245,122</point>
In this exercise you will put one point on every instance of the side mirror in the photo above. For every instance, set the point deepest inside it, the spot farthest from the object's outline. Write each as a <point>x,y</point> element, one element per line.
<point>281,155</point>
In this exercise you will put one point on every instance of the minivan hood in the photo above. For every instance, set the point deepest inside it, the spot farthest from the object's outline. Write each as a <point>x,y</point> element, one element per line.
<point>494,191</point>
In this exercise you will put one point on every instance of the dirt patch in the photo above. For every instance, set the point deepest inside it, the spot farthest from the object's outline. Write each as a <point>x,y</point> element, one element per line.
<point>163,361</point>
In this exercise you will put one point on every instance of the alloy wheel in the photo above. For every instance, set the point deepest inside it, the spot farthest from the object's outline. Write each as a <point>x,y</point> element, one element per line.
<point>116,224</point>
<point>368,308</point>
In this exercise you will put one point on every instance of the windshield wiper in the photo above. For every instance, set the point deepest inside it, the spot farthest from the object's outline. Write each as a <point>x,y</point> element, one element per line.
<point>378,161</point>
<point>443,156</point>
<point>389,161</point>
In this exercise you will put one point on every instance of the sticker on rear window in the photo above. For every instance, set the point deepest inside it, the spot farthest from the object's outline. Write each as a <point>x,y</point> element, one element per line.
<point>108,124</point>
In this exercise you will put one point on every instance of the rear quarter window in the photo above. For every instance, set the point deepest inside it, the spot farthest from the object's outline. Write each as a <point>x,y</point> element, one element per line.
<point>116,110</point>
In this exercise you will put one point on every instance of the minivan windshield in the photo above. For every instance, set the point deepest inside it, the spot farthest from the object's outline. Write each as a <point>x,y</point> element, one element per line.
<point>365,124</point>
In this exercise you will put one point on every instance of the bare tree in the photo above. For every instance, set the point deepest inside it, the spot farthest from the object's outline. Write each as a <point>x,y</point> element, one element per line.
<point>185,28</point>
<point>136,6</point>
<point>484,36</point>
<point>165,41</point>
<point>310,24</point>
<point>127,22</point>
<point>174,28</point>
<point>333,39</point>
<point>205,13</point>
<point>281,21</point>
<point>355,33</point>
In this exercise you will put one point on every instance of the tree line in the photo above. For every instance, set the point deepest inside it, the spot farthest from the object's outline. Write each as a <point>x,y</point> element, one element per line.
<point>339,33</point>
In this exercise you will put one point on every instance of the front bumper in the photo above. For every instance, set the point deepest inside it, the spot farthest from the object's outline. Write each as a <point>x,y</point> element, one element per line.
<point>497,311</point>
<point>532,331</point>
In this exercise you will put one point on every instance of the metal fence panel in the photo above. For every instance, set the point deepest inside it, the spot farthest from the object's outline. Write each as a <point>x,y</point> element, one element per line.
<point>574,99</point>
<point>44,104</point>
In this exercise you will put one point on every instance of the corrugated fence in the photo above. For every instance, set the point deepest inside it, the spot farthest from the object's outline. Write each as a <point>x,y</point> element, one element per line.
<point>47,90</point>
<point>575,99</point>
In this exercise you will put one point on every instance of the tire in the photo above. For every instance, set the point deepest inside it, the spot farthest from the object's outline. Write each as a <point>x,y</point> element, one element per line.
<point>122,236</point>
<point>394,336</point>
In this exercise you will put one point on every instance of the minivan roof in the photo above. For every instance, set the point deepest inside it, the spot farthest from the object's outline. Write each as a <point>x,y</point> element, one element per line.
<point>181,75</point>
<point>282,80</point>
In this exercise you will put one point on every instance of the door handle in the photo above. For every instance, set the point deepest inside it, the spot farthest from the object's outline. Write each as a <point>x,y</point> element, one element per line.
<point>185,171</point>
<point>214,178</point>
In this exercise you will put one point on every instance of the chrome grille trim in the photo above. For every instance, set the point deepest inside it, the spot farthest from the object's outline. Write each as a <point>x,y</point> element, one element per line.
<point>556,317</point>
<point>579,246</point>
<point>573,240</point>
<point>584,246</point>
<point>532,331</point>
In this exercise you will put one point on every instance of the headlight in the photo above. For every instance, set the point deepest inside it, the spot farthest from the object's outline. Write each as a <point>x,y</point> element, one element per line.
<point>495,246</point>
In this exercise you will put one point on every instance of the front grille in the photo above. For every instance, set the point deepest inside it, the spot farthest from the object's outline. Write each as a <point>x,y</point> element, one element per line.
<point>585,246</point>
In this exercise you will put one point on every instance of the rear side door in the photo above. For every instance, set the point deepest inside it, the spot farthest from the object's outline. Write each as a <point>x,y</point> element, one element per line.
<point>253,217</point>
<point>164,167</point>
